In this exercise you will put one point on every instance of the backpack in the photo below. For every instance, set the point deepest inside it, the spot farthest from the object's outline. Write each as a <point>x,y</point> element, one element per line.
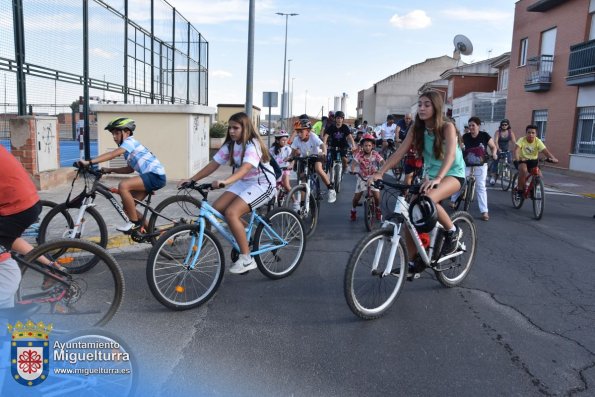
<point>277,170</point>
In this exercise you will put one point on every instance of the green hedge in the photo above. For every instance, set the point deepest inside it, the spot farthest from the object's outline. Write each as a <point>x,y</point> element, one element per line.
<point>218,130</point>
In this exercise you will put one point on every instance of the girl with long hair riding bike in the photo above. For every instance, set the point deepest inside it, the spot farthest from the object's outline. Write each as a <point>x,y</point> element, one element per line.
<point>436,139</point>
<point>281,151</point>
<point>253,181</point>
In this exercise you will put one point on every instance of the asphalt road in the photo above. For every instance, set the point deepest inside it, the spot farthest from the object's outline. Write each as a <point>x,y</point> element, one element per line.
<point>522,324</point>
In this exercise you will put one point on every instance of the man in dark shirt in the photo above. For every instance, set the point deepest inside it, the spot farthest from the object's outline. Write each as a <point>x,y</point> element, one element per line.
<point>403,126</point>
<point>338,138</point>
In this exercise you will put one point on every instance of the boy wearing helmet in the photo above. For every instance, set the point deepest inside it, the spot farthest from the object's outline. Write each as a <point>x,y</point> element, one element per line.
<point>368,161</point>
<point>139,159</point>
<point>309,144</point>
<point>338,138</point>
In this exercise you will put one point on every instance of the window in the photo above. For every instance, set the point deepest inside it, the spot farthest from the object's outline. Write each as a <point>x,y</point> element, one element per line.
<point>548,42</point>
<point>540,120</point>
<point>450,88</point>
<point>585,135</point>
<point>503,80</point>
<point>523,52</point>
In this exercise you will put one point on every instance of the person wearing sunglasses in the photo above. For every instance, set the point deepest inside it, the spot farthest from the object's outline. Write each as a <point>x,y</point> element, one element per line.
<point>502,139</point>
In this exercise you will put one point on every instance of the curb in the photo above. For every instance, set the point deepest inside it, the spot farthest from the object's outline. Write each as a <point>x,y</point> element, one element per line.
<point>586,195</point>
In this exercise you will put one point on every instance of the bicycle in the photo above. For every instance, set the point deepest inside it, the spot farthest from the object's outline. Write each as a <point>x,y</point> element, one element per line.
<point>336,169</point>
<point>190,270</point>
<point>372,212</point>
<point>31,234</point>
<point>278,199</point>
<point>378,264</point>
<point>504,171</point>
<point>467,192</point>
<point>306,194</point>
<point>61,223</point>
<point>390,149</point>
<point>533,189</point>
<point>74,300</point>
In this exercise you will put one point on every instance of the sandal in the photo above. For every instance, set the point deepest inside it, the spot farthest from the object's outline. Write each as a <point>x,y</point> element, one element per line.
<point>485,216</point>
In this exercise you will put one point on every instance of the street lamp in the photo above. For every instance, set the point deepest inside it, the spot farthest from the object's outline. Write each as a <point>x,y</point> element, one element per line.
<point>284,66</point>
<point>288,102</point>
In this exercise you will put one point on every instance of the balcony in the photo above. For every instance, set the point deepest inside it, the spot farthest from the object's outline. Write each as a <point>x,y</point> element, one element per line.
<point>581,64</point>
<point>539,73</point>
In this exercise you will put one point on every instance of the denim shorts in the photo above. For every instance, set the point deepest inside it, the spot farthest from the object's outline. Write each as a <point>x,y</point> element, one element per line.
<point>153,181</point>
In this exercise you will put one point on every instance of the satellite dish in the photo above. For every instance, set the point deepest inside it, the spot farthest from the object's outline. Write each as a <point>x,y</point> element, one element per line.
<point>462,46</point>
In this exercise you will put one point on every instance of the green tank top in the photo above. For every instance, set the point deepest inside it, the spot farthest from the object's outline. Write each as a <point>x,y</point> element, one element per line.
<point>433,165</point>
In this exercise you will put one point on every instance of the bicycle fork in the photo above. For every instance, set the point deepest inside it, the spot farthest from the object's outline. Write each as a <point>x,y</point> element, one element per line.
<point>79,223</point>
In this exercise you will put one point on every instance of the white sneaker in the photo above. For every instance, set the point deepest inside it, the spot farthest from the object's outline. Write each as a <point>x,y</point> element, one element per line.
<point>242,265</point>
<point>332,196</point>
<point>296,207</point>
<point>125,228</point>
<point>492,181</point>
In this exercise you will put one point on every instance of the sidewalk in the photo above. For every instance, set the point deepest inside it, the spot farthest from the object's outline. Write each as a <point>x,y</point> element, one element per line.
<point>570,181</point>
<point>110,215</point>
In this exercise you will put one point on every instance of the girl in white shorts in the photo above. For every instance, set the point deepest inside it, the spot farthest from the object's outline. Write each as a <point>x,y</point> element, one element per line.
<point>253,181</point>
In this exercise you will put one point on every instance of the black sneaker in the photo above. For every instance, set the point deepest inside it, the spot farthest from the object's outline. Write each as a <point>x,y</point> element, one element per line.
<point>451,241</point>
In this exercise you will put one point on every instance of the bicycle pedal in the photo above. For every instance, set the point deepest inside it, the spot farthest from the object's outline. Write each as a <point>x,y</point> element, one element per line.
<point>413,276</point>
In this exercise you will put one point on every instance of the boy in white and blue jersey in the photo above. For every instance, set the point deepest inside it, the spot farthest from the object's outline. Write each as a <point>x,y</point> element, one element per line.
<point>139,159</point>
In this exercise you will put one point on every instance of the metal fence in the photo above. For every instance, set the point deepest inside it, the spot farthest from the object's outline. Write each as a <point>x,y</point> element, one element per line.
<point>53,52</point>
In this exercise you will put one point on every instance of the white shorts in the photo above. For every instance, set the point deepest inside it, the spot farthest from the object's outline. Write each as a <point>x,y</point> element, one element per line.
<point>252,193</point>
<point>362,186</point>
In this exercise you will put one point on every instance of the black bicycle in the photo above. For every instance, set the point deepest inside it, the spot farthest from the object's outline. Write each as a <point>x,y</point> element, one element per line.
<point>467,192</point>
<point>77,218</point>
<point>305,197</point>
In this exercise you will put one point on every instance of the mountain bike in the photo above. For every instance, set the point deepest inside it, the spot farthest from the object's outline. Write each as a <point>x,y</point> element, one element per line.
<point>305,196</point>
<point>77,218</point>
<point>390,149</point>
<point>336,169</point>
<point>372,211</point>
<point>533,189</point>
<point>74,300</point>
<point>277,200</point>
<point>378,264</point>
<point>467,192</point>
<point>504,170</point>
<point>186,265</point>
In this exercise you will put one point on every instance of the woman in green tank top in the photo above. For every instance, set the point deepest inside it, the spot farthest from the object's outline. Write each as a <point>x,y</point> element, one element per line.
<point>436,139</point>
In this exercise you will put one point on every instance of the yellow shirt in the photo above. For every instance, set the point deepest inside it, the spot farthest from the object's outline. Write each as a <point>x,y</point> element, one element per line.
<point>530,150</point>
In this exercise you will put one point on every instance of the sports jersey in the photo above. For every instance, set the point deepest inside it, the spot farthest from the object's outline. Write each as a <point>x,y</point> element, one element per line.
<point>311,146</point>
<point>140,159</point>
<point>284,152</point>
<point>317,127</point>
<point>388,132</point>
<point>17,192</point>
<point>368,163</point>
<point>252,155</point>
<point>530,150</point>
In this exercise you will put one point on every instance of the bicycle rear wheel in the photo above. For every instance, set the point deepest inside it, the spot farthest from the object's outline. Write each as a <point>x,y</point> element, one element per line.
<point>170,278</point>
<point>452,272</point>
<point>171,212</point>
<point>538,198</point>
<point>59,222</point>
<point>368,293</point>
<point>90,299</point>
<point>281,262</point>
<point>309,217</point>
<point>517,200</point>
<point>505,177</point>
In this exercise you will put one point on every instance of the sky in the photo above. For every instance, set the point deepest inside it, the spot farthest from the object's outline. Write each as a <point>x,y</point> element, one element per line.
<point>337,46</point>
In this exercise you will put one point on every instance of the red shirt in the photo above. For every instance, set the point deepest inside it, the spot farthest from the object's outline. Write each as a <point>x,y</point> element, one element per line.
<point>17,191</point>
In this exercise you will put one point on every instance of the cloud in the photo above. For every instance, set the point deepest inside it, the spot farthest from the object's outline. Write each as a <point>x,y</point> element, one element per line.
<point>416,19</point>
<point>467,14</point>
<point>221,73</point>
<point>100,53</point>
<point>214,12</point>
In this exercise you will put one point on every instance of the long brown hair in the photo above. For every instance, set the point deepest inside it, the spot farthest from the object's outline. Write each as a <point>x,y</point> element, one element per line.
<point>419,126</point>
<point>248,134</point>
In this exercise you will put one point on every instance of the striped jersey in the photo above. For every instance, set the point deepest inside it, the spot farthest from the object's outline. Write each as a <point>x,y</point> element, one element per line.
<point>140,158</point>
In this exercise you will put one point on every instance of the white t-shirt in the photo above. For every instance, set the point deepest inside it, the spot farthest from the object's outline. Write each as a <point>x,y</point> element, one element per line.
<point>310,147</point>
<point>252,155</point>
<point>284,153</point>
<point>388,132</point>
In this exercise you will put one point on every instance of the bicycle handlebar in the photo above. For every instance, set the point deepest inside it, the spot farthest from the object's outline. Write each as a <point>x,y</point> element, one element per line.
<point>89,169</point>
<point>414,188</point>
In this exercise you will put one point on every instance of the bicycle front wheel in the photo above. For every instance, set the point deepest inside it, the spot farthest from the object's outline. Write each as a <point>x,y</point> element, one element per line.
<point>470,192</point>
<point>506,177</point>
<point>452,272</point>
<point>338,173</point>
<point>280,262</point>
<point>308,216</point>
<point>369,294</point>
<point>88,299</point>
<point>370,217</point>
<point>171,212</point>
<point>171,279</point>
<point>538,198</point>
<point>517,200</point>
<point>31,234</point>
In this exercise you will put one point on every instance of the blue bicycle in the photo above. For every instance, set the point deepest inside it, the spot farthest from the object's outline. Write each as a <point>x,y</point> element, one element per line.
<point>186,265</point>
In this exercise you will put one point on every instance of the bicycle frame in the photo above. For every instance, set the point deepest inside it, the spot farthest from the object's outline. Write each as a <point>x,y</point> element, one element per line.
<point>214,217</point>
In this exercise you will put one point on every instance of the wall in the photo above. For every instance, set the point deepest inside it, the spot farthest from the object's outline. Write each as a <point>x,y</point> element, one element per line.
<point>177,134</point>
<point>571,19</point>
<point>224,112</point>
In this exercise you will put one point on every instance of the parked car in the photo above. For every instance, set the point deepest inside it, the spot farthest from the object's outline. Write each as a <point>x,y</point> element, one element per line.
<point>263,130</point>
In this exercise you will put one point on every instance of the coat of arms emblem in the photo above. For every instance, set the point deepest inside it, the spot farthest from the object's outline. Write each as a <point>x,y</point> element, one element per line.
<point>29,349</point>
